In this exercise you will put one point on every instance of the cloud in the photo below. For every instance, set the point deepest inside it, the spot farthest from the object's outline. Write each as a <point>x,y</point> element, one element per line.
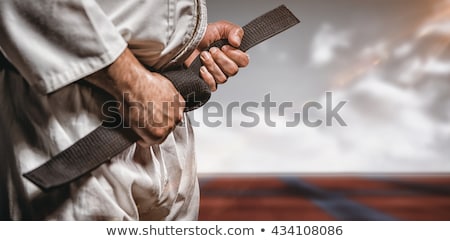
<point>438,67</point>
<point>403,50</point>
<point>388,132</point>
<point>398,114</point>
<point>441,27</point>
<point>326,42</point>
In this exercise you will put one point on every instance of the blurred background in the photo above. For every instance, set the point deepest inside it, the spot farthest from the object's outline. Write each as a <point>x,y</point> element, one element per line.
<point>389,61</point>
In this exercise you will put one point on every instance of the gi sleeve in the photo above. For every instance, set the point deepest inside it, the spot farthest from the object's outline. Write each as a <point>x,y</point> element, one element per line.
<point>53,43</point>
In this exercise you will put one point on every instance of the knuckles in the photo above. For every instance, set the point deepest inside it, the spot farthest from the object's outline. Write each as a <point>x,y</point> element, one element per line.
<point>161,133</point>
<point>233,70</point>
<point>244,60</point>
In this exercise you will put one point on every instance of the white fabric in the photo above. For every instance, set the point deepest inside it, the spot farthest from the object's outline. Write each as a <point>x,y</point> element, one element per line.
<point>54,43</point>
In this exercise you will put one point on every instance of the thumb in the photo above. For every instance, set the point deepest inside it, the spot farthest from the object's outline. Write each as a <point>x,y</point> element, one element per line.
<point>226,30</point>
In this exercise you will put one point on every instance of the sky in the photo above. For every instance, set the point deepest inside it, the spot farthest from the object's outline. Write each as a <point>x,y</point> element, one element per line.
<point>388,61</point>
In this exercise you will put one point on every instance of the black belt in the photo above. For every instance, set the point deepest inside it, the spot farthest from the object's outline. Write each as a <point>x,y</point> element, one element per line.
<point>104,143</point>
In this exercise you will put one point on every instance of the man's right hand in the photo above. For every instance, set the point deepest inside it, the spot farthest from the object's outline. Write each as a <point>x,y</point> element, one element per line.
<point>150,104</point>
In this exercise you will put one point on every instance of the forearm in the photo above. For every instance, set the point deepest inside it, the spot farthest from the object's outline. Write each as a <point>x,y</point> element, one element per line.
<point>122,76</point>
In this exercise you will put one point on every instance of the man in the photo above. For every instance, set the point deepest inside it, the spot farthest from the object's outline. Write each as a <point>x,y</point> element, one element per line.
<point>64,59</point>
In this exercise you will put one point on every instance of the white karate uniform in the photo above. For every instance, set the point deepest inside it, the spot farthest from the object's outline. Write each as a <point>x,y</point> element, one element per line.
<point>54,44</point>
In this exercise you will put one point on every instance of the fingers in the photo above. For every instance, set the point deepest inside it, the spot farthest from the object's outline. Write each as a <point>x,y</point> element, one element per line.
<point>208,78</point>
<point>219,64</point>
<point>225,63</point>
<point>234,34</point>
<point>212,60</point>
<point>151,135</point>
<point>222,30</point>
<point>230,31</point>
<point>240,58</point>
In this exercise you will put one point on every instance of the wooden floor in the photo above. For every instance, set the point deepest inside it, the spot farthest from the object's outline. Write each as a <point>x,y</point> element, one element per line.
<point>325,198</point>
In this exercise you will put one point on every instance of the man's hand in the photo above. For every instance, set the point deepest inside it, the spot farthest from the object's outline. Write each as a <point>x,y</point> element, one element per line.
<point>149,102</point>
<point>219,64</point>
